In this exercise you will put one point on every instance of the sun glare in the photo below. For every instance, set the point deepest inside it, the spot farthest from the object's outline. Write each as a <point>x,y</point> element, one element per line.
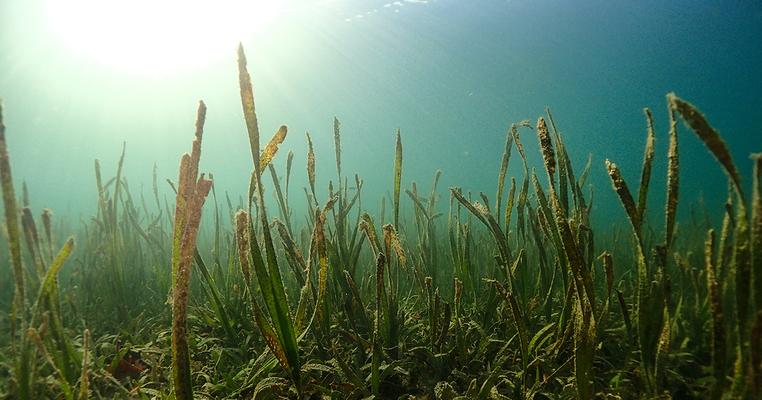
<point>157,36</point>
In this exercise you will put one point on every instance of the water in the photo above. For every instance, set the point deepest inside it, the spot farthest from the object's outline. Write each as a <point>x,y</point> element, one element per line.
<point>451,75</point>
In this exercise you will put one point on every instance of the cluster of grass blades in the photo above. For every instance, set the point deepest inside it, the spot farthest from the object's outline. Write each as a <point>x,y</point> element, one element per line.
<point>513,297</point>
<point>36,325</point>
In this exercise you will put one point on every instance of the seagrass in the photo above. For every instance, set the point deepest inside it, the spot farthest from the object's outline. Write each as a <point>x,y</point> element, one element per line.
<point>607,260</point>
<point>289,163</point>
<point>713,141</point>
<point>398,248</point>
<point>279,332</point>
<point>430,207</point>
<point>608,268</point>
<point>565,171</point>
<point>718,319</point>
<point>397,177</point>
<point>66,355</point>
<point>483,214</point>
<point>33,335</point>
<point>49,280</point>
<point>755,337</point>
<point>272,147</point>
<point>242,241</point>
<point>724,251</point>
<point>247,102</point>
<point>12,222</point>
<point>367,226</point>
<point>580,273</point>
<point>584,350</point>
<point>648,159</point>
<point>24,369</point>
<point>84,380</point>
<point>376,357</point>
<point>546,217</point>
<point>32,239</point>
<point>673,181</point>
<point>311,165</point>
<point>521,206</point>
<point>756,230</point>
<point>518,320</point>
<point>623,191</point>
<point>509,204</point>
<point>503,171</point>
<point>756,356</point>
<point>484,305</point>
<point>741,262</point>
<point>337,147</point>
<point>191,194</point>
<point>283,208</point>
<point>546,147</point>
<point>322,257</point>
<point>293,254</point>
<point>742,256</point>
<point>114,204</point>
<point>47,217</point>
<point>24,195</point>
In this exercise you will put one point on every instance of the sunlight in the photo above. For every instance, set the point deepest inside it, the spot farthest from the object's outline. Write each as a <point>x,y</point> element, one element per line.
<point>158,36</point>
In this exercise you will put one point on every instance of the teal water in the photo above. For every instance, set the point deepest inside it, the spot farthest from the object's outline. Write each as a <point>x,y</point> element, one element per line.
<point>452,75</point>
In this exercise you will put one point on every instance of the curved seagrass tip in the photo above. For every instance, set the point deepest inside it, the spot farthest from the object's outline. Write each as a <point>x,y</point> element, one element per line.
<point>699,124</point>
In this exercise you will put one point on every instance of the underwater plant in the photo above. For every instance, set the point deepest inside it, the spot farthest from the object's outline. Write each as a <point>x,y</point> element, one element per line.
<point>192,190</point>
<point>43,314</point>
<point>516,296</point>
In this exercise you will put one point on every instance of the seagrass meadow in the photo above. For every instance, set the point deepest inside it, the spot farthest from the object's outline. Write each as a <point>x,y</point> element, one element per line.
<point>299,290</point>
<point>380,199</point>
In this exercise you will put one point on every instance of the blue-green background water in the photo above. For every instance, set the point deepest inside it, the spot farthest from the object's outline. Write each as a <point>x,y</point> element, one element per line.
<point>452,75</point>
